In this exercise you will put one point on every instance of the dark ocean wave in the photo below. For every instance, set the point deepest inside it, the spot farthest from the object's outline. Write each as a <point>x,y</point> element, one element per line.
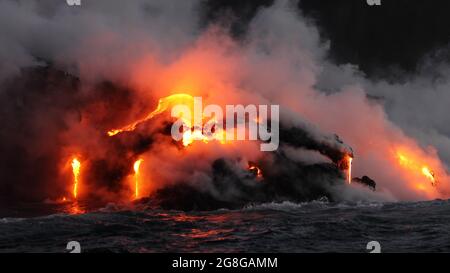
<point>317,226</point>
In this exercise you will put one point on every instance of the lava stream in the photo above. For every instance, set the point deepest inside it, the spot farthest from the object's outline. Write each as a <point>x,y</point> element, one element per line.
<point>76,165</point>
<point>136,167</point>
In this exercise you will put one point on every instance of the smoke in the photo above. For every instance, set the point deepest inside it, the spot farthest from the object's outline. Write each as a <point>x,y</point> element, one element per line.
<point>119,59</point>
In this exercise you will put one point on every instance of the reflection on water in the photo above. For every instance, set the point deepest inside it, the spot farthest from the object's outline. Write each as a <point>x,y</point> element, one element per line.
<point>75,208</point>
<point>196,233</point>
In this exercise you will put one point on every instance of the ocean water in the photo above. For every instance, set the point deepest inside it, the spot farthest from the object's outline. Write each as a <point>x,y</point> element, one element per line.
<point>317,226</point>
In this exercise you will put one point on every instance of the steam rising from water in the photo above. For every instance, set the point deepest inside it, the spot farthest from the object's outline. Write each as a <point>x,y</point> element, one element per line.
<point>156,48</point>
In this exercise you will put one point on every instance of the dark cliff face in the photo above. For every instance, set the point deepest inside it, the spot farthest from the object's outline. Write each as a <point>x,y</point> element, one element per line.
<point>37,108</point>
<point>43,103</point>
<point>290,182</point>
<point>31,108</point>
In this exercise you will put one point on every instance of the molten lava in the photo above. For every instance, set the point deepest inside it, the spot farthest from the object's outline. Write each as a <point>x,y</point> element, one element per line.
<point>163,105</point>
<point>349,170</point>
<point>255,169</point>
<point>429,174</point>
<point>76,165</point>
<point>345,165</point>
<point>415,165</point>
<point>190,135</point>
<point>136,167</point>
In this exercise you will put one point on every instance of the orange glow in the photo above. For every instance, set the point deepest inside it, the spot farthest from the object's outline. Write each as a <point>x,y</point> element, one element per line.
<point>199,234</point>
<point>136,167</point>
<point>429,174</point>
<point>163,105</point>
<point>254,168</point>
<point>349,171</point>
<point>75,209</point>
<point>76,165</point>
<point>258,171</point>
<point>190,135</point>
<point>414,164</point>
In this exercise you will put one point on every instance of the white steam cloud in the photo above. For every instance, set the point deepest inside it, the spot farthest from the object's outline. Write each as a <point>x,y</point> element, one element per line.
<point>153,45</point>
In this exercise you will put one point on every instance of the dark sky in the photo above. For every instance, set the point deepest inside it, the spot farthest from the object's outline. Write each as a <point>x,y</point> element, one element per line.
<point>396,35</point>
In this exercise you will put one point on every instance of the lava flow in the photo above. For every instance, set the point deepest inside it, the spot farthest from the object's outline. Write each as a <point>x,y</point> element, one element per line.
<point>190,134</point>
<point>345,164</point>
<point>429,174</point>
<point>349,171</point>
<point>255,169</point>
<point>415,165</point>
<point>136,167</point>
<point>76,165</point>
<point>163,105</point>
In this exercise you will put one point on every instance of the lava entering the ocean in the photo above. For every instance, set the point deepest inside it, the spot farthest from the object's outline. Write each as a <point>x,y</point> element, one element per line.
<point>136,167</point>
<point>415,165</point>
<point>349,170</point>
<point>76,165</point>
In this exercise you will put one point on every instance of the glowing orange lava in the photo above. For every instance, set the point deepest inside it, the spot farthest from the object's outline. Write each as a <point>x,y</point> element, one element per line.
<point>429,174</point>
<point>189,135</point>
<point>136,167</point>
<point>414,164</point>
<point>349,171</point>
<point>163,105</point>
<point>252,167</point>
<point>76,165</point>
<point>75,209</point>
